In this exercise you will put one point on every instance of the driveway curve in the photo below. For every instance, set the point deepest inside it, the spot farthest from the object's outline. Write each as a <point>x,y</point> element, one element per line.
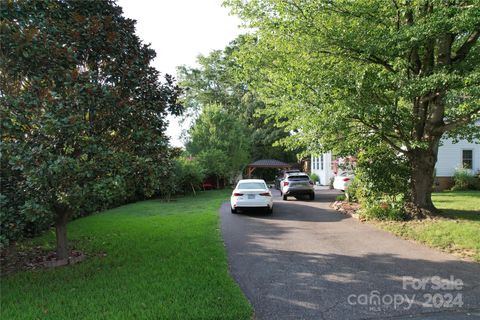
<point>306,261</point>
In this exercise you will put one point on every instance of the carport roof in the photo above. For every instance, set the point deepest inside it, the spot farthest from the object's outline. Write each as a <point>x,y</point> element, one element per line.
<point>268,163</point>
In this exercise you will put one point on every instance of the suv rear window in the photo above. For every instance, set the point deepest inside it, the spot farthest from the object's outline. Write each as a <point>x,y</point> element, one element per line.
<point>251,185</point>
<point>298,178</point>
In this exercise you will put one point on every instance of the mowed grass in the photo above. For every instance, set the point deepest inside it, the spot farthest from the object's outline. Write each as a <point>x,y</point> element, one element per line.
<point>162,261</point>
<point>457,230</point>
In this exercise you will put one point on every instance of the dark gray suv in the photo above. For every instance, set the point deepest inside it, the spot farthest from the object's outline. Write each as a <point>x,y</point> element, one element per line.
<point>297,184</point>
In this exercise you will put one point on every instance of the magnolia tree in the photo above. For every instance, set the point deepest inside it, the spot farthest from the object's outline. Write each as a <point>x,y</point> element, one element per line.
<point>83,112</point>
<point>349,75</point>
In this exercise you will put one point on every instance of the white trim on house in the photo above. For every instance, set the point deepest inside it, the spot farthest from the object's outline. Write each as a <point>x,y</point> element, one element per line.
<point>322,166</point>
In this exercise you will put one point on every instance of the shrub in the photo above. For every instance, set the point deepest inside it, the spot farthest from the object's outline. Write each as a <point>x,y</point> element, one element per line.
<point>382,173</point>
<point>381,176</point>
<point>340,197</point>
<point>382,210</point>
<point>189,174</point>
<point>380,184</point>
<point>465,180</point>
<point>314,177</point>
<point>352,190</point>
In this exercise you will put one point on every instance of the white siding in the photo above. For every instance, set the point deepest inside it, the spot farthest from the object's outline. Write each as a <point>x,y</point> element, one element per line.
<point>325,174</point>
<point>450,157</point>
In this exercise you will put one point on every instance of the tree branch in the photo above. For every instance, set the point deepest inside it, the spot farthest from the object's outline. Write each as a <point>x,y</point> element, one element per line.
<point>385,137</point>
<point>460,122</point>
<point>463,51</point>
<point>398,14</point>
<point>369,58</point>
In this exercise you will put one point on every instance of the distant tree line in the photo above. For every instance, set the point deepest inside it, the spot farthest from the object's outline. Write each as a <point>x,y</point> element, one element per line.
<point>230,128</point>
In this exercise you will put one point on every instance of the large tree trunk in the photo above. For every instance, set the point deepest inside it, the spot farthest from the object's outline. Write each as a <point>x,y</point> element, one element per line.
<point>61,233</point>
<point>422,162</point>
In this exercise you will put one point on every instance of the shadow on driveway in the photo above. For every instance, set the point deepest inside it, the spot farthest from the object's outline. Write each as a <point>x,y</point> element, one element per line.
<point>308,262</point>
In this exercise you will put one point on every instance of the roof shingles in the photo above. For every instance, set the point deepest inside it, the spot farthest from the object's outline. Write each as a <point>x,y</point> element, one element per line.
<point>269,163</point>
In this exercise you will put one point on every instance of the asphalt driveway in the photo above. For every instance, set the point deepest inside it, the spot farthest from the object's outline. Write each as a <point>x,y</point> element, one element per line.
<point>306,261</point>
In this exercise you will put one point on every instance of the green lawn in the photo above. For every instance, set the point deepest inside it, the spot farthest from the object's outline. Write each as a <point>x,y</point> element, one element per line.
<point>456,231</point>
<point>163,261</point>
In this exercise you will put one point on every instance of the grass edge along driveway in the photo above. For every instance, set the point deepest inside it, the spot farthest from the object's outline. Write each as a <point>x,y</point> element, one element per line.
<point>147,260</point>
<point>456,230</point>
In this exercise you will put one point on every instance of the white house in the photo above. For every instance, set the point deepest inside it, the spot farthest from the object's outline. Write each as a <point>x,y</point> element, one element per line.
<point>322,167</point>
<point>451,156</point>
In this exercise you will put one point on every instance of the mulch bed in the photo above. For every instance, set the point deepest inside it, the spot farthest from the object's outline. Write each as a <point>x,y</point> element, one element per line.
<point>347,208</point>
<point>35,258</point>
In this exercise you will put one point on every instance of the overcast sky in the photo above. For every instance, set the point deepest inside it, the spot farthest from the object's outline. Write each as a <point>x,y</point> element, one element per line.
<point>180,30</point>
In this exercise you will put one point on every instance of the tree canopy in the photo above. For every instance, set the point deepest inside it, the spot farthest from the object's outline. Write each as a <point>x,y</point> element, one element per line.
<point>349,75</point>
<point>221,141</point>
<point>83,113</point>
<point>220,80</point>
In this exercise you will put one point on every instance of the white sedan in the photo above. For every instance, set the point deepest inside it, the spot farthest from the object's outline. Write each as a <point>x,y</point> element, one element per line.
<point>251,193</point>
<point>342,181</point>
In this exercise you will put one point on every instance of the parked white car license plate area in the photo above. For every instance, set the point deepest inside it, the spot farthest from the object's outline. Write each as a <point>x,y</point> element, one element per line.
<point>251,196</point>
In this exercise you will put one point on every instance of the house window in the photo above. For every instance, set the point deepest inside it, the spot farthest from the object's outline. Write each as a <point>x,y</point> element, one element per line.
<point>314,163</point>
<point>321,162</point>
<point>467,159</point>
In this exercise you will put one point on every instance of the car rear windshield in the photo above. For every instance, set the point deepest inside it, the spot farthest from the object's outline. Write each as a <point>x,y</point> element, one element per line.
<point>251,185</point>
<point>298,178</point>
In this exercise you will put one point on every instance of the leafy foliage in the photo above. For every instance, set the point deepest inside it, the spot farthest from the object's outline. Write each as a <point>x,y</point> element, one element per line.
<point>465,180</point>
<point>381,174</point>
<point>357,75</point>
<point>82,113</point>
<point>314,177</point>
<point>220,140</point>
<point>353,190</point>
<point>189,173</point>
<point>381,184</point>
<point>215,163</point>
<point>382,211</point>
<point>220,80</point>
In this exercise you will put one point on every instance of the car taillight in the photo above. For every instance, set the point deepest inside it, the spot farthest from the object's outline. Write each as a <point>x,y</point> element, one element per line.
<point>236,194</point>
<point>266,194</point>
<point>346,179</point>
<point>285,183</point>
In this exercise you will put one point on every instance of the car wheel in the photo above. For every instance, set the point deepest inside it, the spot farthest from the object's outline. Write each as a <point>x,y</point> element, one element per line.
<point>312,196</point>
<point>233,210</point>
<point>285,197</point>
<point>270,210</point>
